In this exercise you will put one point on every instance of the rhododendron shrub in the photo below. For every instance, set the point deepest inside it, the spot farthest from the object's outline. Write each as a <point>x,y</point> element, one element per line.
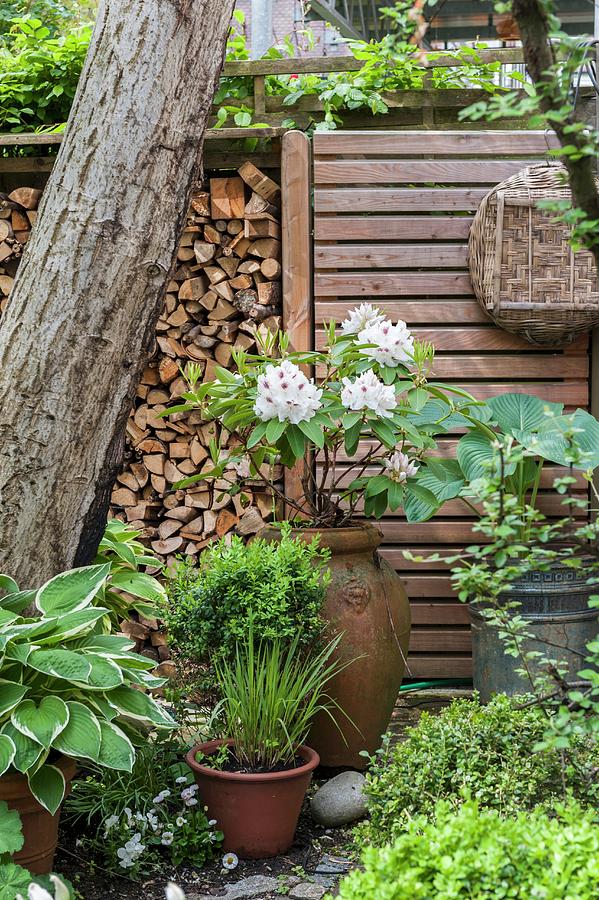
<point>359,428</point>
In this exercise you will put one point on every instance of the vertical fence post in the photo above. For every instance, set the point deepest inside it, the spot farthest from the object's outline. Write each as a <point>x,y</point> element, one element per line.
<point>296,220</point>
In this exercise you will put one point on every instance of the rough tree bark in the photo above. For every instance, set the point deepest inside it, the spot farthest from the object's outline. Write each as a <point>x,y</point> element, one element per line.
<point>539,56</point>
<point>90,286</point>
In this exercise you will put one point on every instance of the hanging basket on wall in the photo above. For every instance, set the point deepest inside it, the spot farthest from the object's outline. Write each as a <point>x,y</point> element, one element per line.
<point>524,272</point>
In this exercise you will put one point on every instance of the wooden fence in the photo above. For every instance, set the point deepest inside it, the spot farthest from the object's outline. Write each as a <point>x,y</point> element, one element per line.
<point>392,212</point>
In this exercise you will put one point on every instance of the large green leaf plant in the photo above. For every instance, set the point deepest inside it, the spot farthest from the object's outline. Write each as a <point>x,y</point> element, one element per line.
<point>67,684</point>
<point>539,432</point>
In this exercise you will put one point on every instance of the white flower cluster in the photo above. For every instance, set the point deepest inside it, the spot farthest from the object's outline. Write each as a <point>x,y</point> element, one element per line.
<point>400,467</point>
<point>284,393</point>
<point>368,392</point>
<point>392,344</point>
<point>130,853</point>
<point>162,796</point>
<point>188,795</point>
<point>362,317</point>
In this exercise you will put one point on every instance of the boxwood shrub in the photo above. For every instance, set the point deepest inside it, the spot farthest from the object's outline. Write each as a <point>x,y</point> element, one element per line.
<point>478,853</point>
<point>487,751</point>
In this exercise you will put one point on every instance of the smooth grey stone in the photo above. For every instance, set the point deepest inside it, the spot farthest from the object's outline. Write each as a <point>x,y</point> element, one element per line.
<point>244,889</point>
<point>340,800</point>
<point>307,891</point>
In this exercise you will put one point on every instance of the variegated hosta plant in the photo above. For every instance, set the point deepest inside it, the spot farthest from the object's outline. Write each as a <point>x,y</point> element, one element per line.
<point>373,407</point>
<point>67,684</point>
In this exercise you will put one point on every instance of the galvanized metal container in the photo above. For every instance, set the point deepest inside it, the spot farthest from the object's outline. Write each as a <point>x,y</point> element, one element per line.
<point>555,605</point>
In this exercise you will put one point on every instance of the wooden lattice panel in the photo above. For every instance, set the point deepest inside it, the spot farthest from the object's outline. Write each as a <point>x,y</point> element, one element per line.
<point>392,213</point>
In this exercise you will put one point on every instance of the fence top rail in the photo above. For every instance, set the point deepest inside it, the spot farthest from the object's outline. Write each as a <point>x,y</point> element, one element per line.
<point>29,139</point>
<point>325,64</point>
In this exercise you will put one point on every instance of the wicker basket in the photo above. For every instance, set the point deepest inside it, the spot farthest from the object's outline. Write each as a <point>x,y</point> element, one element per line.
<point>523,270</point>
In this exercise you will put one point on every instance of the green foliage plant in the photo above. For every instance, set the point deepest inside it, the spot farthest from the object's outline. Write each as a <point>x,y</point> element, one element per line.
<point>39,75</point>
<point>157,800</point>
<point>278,586</point>
<point>537,432</point>
<point>271,693</point>
<point>69,686</point>
<point>377,403</point>
<point>15,880</point>
<point>488,751</point>
<point>476,853</point>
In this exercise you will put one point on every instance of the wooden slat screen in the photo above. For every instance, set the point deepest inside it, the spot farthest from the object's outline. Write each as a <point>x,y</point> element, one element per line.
<point>392,211</point>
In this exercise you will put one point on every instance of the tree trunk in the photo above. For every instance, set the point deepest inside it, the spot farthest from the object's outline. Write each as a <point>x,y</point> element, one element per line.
<point>90,287</point>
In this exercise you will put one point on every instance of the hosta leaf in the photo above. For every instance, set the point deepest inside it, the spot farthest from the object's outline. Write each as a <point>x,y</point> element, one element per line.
<point>7,754</point>
<point>476,456</point>
<point>419,504</point>
<point>139,585</point>
<point>116,750</point>
<point>27,751</point>
<point>106,643</point>
<point>41,723</point>
<point>72,624</point>
<point>551,443</point>
<point>48,787</point>
<point>18,602</point>
<point>81,737</point>
<point>11,693</point>
<point>104,675</point>
<point>61,663</point>
<point>521,412</point>
<point>135,705</point>
<point>72,590</point>
<point>442,477</point>
<point>8,584</point>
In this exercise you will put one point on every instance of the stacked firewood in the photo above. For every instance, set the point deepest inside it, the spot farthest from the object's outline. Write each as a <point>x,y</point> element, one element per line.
<point>225,290</point>
<point>18,212</point>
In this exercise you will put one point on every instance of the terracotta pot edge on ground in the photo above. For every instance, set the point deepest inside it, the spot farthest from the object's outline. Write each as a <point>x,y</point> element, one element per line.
<point>367,601</point>
<point>40,829</point>
<point>257,813</point>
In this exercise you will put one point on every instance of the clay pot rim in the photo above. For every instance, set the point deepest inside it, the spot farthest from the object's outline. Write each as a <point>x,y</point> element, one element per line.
<point>311,756</point>
<point>355,538</point>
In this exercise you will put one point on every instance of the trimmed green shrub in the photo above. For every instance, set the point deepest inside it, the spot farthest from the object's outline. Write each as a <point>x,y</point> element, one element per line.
<point>278,587</point>
<point>486,750</point>
<point>478,854</point>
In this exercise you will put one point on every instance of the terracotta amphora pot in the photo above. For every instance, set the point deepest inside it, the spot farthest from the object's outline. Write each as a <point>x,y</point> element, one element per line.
<point>257,813</point>
<point>366,600</point>
<point>40,829</point>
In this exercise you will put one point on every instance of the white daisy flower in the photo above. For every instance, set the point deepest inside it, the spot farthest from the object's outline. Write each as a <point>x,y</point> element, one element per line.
<point>230,861</point>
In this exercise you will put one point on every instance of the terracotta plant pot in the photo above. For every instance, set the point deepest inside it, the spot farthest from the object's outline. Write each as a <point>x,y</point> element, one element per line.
<point>257,813</point>
<point>367,601</point>
<point>40,829</point>
<point>506,27</point>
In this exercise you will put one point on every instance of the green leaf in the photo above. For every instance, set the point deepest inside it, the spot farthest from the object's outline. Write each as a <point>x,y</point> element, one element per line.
<point>442,477</point>
<point>419,504</point>
<point>11,835</point>
<point>72,590</point>
<point>105,674</point>
<point>82,735</point>
<point>384,433</point>
<point>8,584</point>
<point>7,754</point>
<point>41,723</point>
<point>257,434</point>
<point>138,584</point>
<point>116,750</point>
<point>135,705</point>
<point>274,430</point>
<point>376,484</point>
<point>476,456</point>
<point>296,440</point>
<point>48,787</point>
<point>553,442</point>
<point>72,624</point>
<point>14,880</point>
<point>11,693</point>
<point>313,432</point>
<point>61,664</point>
<point>352,437</point>
<point>27,752</point>
<point>514,412</point>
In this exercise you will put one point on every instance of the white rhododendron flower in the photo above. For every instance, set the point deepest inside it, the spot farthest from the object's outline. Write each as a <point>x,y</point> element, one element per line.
<point>284,393</point>
<point>369,392</point>
<point>360,318</point>
<point>400,467</point>
<point>393,344</point>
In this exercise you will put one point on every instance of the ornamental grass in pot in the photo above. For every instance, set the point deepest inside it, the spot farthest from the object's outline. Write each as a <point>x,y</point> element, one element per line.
<point>70,689</point>
<point>254,777</point>
<point>355,437</point>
